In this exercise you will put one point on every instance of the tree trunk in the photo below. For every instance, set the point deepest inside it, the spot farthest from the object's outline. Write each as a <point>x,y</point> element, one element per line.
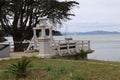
<point>18,43</point>
<point>2,33</point>
<point>17,46</point>
<point>20,46</point>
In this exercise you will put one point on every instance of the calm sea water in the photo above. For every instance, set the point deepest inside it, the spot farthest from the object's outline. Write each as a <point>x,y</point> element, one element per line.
<point>107,47</point>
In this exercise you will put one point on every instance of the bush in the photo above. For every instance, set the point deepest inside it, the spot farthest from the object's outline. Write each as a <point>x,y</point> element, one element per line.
<point>21,68</point>
<point>83,54</point>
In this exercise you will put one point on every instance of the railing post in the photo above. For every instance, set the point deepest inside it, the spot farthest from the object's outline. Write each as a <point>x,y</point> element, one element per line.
<point>88,45</point>
<point>59,47</point>
<point>68,44</point>
<point>82,44</point>
<point>77,47</point>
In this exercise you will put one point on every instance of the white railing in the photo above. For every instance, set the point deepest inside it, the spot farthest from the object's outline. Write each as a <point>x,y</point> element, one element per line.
<point>62,47</point>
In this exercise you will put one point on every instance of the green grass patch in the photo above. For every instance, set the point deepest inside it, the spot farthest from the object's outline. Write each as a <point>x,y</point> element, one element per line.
<point>60,69</point>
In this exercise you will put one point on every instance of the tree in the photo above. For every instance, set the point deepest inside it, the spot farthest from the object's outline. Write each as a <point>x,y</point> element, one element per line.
<point>2,33</point>
<point>18,17</point>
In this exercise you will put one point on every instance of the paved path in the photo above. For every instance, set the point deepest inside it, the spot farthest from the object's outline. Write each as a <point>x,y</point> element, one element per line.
<point>20,54</point>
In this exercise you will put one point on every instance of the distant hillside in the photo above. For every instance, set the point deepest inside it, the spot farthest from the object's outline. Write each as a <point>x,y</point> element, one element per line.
<point>93,32</point>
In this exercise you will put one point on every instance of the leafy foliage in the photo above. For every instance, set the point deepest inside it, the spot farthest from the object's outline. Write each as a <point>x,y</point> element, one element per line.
<point>22,15</point>
<point>21,68</point>
<point>83,54</point>
<point>18,17</point>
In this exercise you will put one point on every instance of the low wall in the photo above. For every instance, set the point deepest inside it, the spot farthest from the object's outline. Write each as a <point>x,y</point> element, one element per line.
<point>4,50</point>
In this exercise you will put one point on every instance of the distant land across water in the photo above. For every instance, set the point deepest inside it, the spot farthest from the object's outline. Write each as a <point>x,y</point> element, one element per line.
<point>91,32</point>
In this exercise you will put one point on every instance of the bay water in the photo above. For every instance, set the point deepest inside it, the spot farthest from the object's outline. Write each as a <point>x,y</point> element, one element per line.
<point>107,47</point>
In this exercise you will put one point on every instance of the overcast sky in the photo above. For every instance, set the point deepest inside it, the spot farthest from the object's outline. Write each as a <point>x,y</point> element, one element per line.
<point>94,15</point>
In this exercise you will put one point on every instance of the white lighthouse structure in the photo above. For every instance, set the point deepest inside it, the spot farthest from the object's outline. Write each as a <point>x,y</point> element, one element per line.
<point>45,41</point>
<point>47,47</point>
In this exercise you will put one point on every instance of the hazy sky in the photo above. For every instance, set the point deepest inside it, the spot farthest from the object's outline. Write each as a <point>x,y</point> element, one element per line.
<point>94,15</point>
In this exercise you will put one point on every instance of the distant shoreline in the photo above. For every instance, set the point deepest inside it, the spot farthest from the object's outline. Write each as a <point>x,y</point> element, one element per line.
<point>91,33</point>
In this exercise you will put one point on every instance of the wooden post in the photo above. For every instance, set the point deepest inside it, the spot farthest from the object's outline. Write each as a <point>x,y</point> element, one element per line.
<point>76,45</point>
<point>88,45</point>
<point>82,44</point>
<point>68,50</point>
<point>59,47</point>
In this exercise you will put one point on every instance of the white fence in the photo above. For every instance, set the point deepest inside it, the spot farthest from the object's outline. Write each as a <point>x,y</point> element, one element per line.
<point>63,47</point>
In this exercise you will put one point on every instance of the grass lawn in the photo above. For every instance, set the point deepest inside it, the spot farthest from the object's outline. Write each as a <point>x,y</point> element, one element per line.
<point>61,69</point>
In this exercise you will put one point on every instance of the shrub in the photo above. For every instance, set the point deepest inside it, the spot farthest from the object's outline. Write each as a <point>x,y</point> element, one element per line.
<point>83,54</point>
<point>21,68</point>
